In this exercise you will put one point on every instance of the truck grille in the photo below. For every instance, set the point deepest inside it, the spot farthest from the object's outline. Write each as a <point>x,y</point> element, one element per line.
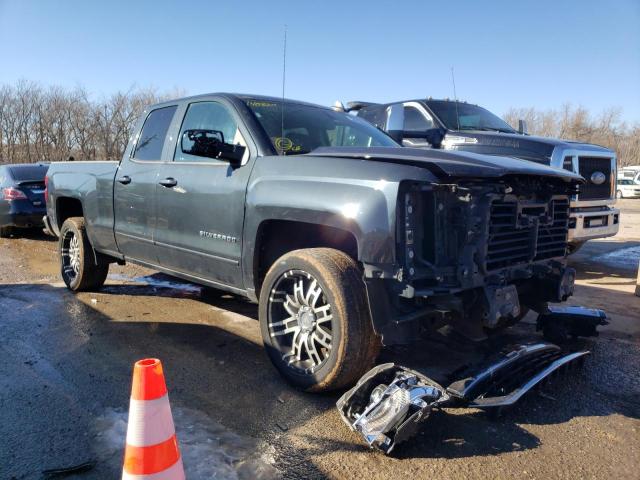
<point>537,233</point>
<point>586,167</point>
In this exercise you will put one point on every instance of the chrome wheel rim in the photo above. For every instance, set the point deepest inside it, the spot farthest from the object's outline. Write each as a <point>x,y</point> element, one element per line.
<point>300,321</point>
<point>70,255</point>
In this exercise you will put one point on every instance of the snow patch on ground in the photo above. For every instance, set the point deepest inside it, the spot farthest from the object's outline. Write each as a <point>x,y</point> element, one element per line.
<point>624,258</point>
<point>208,449</point>
<point>151,281</point>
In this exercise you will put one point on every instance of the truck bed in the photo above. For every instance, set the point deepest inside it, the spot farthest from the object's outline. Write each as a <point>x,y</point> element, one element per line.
<point>92,184</point>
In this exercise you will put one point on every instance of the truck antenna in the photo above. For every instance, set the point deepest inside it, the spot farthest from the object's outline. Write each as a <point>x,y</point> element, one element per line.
<point>284,71</point>
<point>455,97</point>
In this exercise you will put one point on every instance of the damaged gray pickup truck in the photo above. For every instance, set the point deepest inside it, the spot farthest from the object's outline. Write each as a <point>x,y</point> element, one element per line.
<point>347,241</point>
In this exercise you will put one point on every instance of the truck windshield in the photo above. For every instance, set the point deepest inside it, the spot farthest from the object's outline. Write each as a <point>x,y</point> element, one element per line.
<point>307,127</point>
<point>468,117</point>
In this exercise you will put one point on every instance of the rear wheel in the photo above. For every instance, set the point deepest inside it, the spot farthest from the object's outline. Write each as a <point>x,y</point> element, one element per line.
<point>315,321</point>
<point>619,194</point>
<point>5,232</point>
<point>79,268</point>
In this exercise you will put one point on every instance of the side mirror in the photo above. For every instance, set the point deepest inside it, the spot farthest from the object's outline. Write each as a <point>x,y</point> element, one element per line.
<point>395,122</point>
<point>429,138</point>
<point>522,127</point>
<point>211,144</point>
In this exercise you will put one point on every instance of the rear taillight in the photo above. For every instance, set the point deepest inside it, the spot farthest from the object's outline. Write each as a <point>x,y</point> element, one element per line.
<point>11,193</point>
<point>46,189</point>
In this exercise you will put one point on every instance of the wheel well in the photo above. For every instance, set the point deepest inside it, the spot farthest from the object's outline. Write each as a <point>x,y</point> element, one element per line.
<point>67,208</point>
<point>277,237</point>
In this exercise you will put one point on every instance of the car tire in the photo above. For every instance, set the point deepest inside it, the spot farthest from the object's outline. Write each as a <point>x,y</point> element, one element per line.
<point>315,321</point>
<point>79,267</point>
<point>5,232</point>
<point>619,194</point>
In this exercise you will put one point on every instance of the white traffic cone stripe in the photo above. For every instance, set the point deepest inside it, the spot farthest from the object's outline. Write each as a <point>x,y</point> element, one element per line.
<point>150,422</point>
<point>174,472</point>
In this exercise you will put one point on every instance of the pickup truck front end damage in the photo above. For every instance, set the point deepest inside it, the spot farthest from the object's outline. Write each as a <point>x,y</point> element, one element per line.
<point>477,254</point>
<point>390,402</point>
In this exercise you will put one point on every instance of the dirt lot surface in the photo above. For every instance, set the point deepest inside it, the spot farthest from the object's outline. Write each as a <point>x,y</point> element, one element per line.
<point>67,360</point>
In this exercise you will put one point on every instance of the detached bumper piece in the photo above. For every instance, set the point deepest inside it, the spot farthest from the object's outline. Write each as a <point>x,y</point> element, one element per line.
<point>390,402</point>
<point>558,323</point>
<point>506,378</point>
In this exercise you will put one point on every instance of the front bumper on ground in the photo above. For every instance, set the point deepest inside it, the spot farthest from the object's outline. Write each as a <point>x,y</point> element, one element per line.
<point>389,402</point>
<point>597,224</point>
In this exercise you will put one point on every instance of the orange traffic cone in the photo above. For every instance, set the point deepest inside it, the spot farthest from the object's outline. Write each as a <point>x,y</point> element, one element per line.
<point>152,450</point>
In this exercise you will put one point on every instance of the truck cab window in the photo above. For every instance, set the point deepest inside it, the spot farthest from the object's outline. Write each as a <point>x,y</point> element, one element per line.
<point>154,131</point>
<point>205,125</point>
<point>415,121</point>
<point>307,127</point>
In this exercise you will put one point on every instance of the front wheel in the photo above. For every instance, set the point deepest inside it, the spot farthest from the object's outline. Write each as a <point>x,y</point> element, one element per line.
<point>80,269</point>
<point>619,194</point>
<point>315,321</point>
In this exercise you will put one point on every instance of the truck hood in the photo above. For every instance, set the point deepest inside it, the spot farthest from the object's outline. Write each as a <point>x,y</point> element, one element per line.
<point>449,164</point>
<point>528,147</point>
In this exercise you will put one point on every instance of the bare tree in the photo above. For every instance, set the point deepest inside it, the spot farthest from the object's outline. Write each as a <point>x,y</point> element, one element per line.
<point>576,123</point>
<point>52,124</point>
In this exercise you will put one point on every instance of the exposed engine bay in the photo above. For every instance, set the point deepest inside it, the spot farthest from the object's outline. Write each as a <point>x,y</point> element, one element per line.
<point>479,255</point>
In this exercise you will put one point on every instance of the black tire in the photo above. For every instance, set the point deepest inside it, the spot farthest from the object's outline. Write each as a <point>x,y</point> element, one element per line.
<point>352,344</point>
<point>78,266</point>
<point>5,232</point>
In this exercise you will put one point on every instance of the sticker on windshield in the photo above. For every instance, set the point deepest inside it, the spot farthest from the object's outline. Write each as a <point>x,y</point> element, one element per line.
<point>257,104</point>
<point>285,144</point>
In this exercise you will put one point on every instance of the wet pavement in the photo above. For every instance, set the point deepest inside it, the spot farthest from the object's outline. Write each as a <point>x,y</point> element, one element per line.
<point>66,373</point>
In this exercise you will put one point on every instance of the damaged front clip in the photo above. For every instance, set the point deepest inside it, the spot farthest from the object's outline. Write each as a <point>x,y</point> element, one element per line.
<point>389,402</point>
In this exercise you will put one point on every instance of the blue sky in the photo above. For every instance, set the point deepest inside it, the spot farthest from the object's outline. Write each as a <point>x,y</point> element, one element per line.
<point>539,53</point>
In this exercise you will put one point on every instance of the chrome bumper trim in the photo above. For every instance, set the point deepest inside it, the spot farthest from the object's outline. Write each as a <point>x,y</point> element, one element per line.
<point>582,233</point>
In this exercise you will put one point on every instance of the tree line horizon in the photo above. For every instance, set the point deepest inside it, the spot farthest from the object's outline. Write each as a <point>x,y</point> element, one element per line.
<point>51,123</point>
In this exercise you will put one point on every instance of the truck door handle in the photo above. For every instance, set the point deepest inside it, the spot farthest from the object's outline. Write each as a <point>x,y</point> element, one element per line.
<point>125,180</point>
<point>169,182</point>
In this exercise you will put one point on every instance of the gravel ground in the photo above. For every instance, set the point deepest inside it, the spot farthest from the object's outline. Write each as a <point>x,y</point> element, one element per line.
<point>65,379</point>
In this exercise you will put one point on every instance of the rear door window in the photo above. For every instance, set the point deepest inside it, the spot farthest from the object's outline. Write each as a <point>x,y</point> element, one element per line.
<point>154,132</point>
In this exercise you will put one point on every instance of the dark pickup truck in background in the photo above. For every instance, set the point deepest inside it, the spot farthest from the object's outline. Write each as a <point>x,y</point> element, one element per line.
<point>22,191</point>
<point>460,126</point>
<point>346,240</point>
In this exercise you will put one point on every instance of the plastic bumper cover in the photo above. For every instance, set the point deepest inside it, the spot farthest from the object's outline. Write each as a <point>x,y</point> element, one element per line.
<point>389,403</point>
